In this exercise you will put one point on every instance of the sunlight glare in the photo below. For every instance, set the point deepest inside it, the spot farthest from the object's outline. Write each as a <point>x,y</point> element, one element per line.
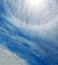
<point>35,3</point>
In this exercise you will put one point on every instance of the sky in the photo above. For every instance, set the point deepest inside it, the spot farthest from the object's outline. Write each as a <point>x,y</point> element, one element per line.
<point>29,32</point>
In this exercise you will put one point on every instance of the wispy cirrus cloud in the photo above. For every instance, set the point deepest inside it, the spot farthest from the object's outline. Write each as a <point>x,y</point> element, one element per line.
<point>31,34</point>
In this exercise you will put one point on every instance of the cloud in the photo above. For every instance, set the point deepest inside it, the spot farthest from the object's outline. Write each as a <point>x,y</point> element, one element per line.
<point>9,58</point>
<point>38,41</point>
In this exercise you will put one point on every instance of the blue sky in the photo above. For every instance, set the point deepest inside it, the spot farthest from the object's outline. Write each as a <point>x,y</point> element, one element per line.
<point>28,32</point>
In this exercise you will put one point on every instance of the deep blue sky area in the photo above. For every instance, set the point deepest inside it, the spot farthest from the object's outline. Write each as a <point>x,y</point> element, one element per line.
<point>28,32</point>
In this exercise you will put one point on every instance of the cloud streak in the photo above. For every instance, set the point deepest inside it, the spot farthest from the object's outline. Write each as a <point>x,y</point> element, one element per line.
<point>28,38</point>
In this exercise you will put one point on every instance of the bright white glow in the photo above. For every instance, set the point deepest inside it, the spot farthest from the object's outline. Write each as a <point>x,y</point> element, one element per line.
<point>35,3</point>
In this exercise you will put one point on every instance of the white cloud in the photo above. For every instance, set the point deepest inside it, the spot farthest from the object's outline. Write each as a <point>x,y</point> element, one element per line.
<point>8,58</point>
